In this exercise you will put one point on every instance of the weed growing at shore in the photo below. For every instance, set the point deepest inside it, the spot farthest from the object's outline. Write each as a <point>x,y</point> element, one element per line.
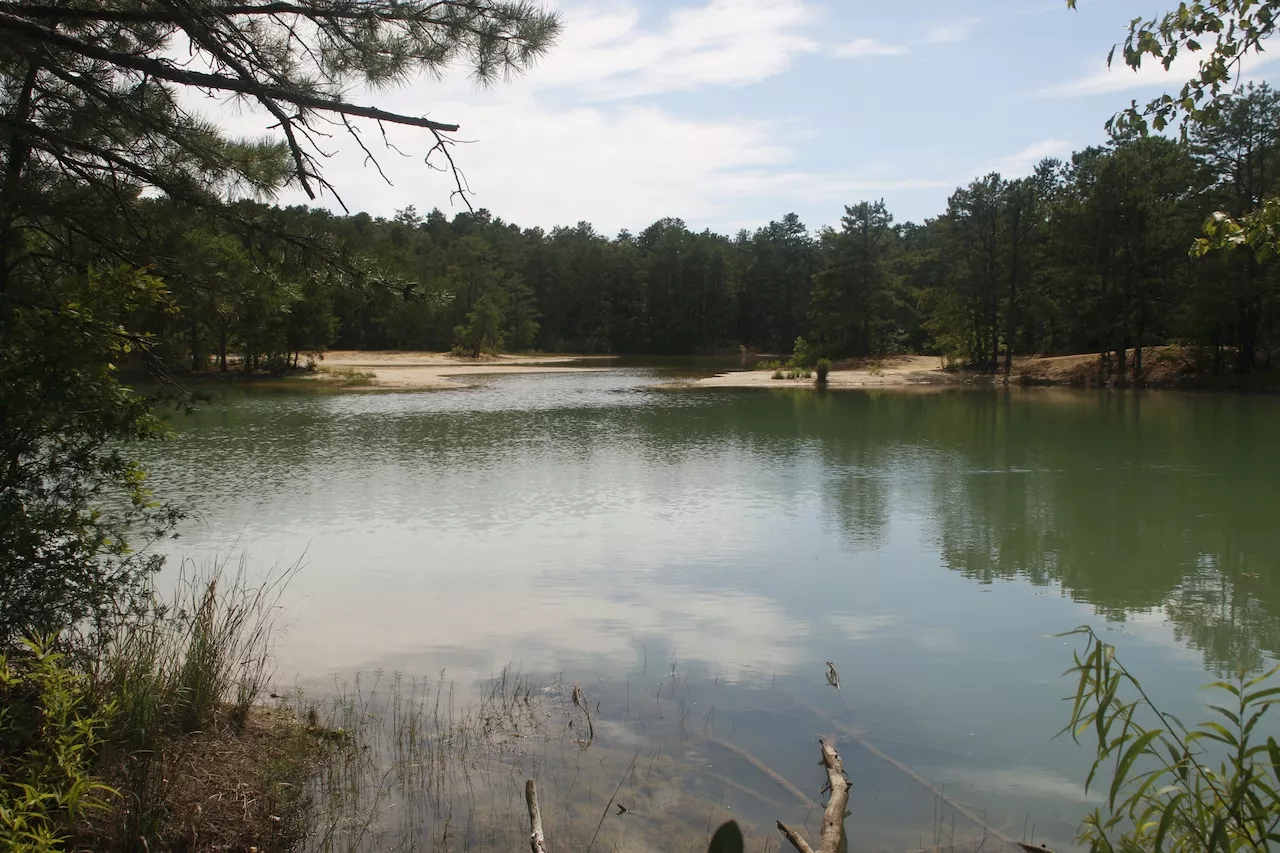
<point>152,736</point>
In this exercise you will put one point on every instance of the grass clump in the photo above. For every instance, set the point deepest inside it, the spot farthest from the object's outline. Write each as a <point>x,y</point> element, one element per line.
<point>348,377</point>
<point>823,367</point>
<point>152,737</point>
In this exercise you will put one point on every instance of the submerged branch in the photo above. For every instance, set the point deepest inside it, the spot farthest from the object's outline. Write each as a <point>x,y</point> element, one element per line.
<point>783,782</point>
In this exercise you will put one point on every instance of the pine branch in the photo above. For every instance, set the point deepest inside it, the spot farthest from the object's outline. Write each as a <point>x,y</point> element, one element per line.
<point>163,70</point>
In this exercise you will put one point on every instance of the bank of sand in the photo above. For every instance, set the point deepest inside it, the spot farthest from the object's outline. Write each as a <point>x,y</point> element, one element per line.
<point>889,372</point>
<point>431,371</point>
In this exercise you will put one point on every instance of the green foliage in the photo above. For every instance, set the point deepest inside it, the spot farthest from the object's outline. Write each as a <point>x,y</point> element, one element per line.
<point>822,368</point>
<point>1211,787</point>
<point>49,733</point>
<point>854,309</point>
<point>483,329</point>
<point>803,355</point>
<point>1220,35</point>
<point>69,493</point>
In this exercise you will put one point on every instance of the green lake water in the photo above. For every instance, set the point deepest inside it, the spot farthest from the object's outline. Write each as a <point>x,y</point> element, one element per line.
<point>729,543</point>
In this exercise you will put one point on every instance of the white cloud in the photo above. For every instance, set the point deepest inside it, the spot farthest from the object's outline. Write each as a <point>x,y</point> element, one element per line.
<point>578,136</point>
<point>608,54</point>
<point>615,165</point>
<point>1151,75</point>
<point>952,31</point>
<point>864,47</point>
<point>1024,162</point>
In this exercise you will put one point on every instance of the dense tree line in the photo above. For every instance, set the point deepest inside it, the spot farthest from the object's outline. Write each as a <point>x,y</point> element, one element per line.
<point>1086,255</point>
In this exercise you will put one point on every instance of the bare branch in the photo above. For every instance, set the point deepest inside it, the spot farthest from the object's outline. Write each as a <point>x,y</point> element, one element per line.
<point>796,839</point>
<point>837,805</point>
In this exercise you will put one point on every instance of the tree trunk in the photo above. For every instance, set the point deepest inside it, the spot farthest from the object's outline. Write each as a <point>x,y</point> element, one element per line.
<point>196,361</point>
<point>1010,313</point>
<point>14,164</point>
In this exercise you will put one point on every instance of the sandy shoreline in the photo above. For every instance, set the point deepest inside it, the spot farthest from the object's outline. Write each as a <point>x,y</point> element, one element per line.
<point>436,371</point>
<point>431,371</point>
<point>890,372</point>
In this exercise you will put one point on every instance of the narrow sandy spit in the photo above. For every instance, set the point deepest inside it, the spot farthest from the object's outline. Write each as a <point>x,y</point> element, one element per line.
<point>432,371</point>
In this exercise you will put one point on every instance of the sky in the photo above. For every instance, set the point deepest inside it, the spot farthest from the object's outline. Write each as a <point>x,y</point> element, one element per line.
<point>731,113</point>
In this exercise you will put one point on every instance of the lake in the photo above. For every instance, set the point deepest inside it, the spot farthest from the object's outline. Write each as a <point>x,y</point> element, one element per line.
<point>694,558</point>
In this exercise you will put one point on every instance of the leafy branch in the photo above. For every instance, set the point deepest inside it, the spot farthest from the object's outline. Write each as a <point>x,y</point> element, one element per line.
<point>1212,787</point>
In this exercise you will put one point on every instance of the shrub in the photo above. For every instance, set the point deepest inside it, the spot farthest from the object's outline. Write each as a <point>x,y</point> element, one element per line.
<point>803,354</point>
<point>1213,787</point>
<point>823,368</point>
<point>48,737</point>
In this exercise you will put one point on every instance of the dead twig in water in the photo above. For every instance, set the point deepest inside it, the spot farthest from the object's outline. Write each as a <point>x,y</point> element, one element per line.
<point>580,701</point>
<point>837,805</point>
<point>612,797</point>
<point>786,784</point>
<point>537,842</point>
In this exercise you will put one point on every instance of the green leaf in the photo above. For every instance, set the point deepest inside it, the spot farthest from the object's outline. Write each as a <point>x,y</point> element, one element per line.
<point>1166,820</point>
<point>1131,754</point>
<point>1274,749</point>
<point>1230,715</point>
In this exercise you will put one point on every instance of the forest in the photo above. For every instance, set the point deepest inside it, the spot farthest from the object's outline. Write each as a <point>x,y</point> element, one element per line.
<point>1094,254</point>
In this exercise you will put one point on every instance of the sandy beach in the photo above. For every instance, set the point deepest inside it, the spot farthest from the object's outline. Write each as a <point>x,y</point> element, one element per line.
<point>432,371</point>
<point>889,372</point>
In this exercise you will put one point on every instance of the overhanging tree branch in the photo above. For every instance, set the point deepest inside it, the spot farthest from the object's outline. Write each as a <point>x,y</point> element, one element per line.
<point>219,82</point>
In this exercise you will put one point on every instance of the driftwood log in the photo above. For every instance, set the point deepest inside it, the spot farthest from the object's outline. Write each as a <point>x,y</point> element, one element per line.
<point>837,805</point>
<point>537,841</point>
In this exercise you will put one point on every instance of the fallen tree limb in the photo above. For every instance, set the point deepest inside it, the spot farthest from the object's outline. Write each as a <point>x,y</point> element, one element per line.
<point>537,842</point>
<point>837,805</point>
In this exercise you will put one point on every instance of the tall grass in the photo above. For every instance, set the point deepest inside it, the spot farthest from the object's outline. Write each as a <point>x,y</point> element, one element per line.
<point>208,647</point>
<point>193,664</point>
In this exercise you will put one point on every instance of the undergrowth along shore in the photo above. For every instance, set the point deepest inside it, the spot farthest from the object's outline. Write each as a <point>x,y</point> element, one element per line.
<point>162,736</point>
